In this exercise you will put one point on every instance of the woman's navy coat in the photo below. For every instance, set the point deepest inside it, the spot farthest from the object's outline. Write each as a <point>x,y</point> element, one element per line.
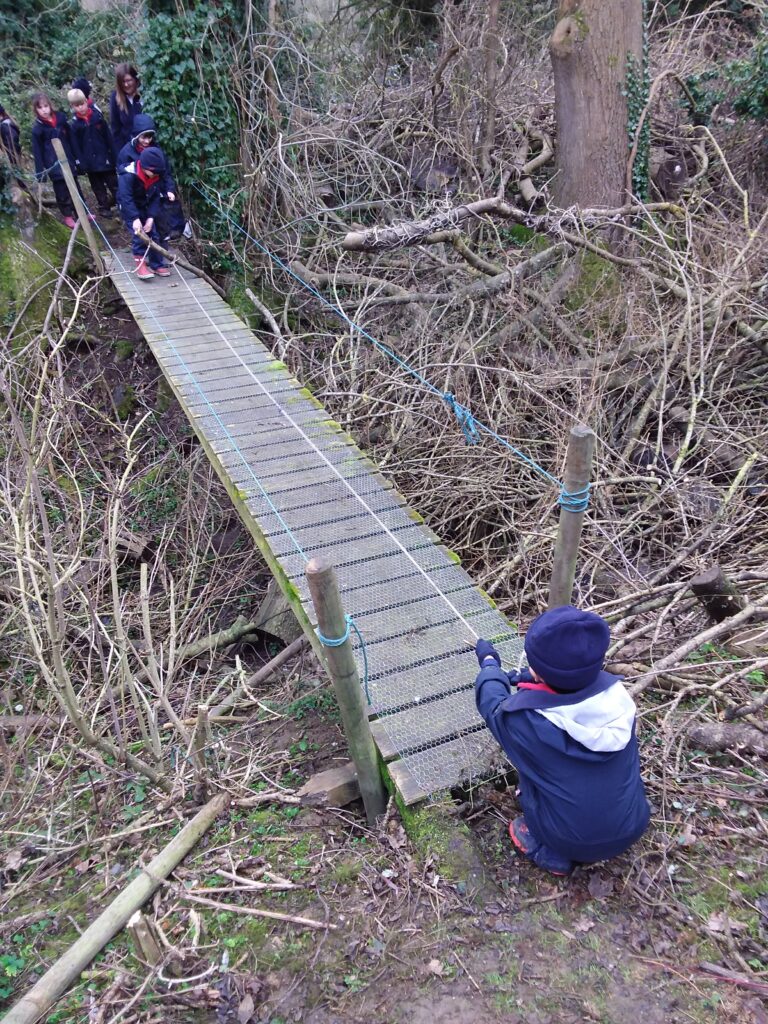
<point>121,120</point>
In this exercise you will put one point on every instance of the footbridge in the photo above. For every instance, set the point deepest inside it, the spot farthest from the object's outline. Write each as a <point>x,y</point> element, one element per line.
<point>303,489</point>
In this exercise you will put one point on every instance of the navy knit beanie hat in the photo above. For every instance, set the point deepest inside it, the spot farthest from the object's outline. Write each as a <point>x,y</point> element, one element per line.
<point>83,85</point>
<point>566,647</point>
<point>152,160</point>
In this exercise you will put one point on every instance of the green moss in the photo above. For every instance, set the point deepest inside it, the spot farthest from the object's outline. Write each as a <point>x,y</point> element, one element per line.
<point>165,397</point>
<point>123,349</point>
<point>598,281</point>
<point>127,403</point>
<point>453,557</point>
<point>436,834</point>
<point>26,263</point>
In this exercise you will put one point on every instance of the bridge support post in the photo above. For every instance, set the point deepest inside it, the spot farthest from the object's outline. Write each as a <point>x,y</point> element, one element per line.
<point>342,669</point>
<point>77,199</point>
<point>578,469</point>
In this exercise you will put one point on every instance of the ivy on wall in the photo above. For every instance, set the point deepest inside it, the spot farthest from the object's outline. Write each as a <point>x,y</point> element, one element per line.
<point>185,62</point>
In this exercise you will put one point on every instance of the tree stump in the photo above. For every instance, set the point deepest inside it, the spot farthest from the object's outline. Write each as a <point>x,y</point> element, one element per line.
<point>717,593</point>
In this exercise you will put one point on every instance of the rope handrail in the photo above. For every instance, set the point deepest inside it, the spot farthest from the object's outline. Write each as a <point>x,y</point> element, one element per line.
<point>570,501</point>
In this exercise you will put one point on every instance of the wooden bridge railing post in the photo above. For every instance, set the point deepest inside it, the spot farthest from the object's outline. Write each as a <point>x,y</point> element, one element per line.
<point>578,469</point>
<point>331,622</point>
<point>77,199</point>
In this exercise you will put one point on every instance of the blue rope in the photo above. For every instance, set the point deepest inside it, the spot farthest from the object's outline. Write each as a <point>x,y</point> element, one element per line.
<point>465,418</point>
<point>328,642</point>
<point>574,501</point>
<point>470,426</point>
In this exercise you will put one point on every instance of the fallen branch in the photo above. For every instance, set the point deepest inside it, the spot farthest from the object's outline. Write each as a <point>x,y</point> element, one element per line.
<point>681,652</point>
<point>175,260</point>
<point>735,979</point>
<point>258,677</point>
<point>58,978</point>
<point>235,908</point>
<point>414,232</point>
<point>715,737</point>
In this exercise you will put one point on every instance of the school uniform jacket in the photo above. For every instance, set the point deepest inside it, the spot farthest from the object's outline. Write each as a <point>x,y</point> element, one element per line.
<point>121,121</point>
<point>136,200</point>
<point>129,154</point>
<point>577,760</point>
<point>46,161</point>
<point>92,143</point>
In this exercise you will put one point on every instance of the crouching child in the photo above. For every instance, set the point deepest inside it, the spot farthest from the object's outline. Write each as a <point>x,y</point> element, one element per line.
<point>139,193</point>
<point>171,223</point>
<point>569,730</point>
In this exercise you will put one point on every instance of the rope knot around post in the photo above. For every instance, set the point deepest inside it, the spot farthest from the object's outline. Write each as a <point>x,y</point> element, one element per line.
<point>574,501</point>
<point>327,641</point>
<point>464,416</point>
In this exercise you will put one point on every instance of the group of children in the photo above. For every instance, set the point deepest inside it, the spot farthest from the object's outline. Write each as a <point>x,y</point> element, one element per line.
<point>125,167</point>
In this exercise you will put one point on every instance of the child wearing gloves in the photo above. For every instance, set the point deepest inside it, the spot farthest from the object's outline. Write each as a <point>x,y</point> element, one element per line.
<point>569,730</point>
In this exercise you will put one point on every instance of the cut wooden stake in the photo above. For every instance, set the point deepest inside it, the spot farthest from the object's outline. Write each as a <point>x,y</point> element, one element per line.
<point>342,669</point>
<point>145,940</point>
<point>58,978</point>
<point>335,787</point>
<point>77,199</point>
<point>578,469</point>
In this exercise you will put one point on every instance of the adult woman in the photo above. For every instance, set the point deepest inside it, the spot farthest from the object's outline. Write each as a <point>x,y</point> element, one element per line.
<point>124,104</point>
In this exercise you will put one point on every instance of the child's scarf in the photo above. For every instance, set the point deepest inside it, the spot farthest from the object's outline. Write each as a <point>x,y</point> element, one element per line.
<point>86,116</point>
<point>147,180</point>
<point>52,121</point>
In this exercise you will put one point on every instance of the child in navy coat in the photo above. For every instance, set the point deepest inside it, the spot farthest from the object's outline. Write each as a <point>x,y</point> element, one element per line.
<point>10,144</point>
<point>139,192</point>
<point>172,223</point>
<point>569,730</point>
<point>93,149</point>
<point>52,124</point>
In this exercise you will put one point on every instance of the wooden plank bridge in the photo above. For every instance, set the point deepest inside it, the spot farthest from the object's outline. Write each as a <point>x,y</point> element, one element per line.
<point>303,488</point>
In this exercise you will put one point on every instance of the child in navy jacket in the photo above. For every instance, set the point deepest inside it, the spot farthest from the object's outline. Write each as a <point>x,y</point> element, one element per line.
<point>569,730</point>
<point>172,223</point>
<point>50,124</point>
<point>139,192</point>
<point>93,149</point>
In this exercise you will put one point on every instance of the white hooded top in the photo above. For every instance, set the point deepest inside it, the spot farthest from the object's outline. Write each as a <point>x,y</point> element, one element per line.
<point>601,723</point>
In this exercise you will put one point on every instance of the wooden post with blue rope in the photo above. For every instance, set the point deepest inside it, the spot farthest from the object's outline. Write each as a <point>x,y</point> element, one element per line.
<point>333,629</point>
<point>573,505</point>
<point>77,201</point>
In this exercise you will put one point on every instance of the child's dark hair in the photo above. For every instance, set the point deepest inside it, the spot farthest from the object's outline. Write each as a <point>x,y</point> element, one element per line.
<point>120,72</point>
<point>39,99</point>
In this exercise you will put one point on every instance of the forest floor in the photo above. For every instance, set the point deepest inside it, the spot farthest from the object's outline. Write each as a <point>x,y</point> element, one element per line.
<point>409,941</point>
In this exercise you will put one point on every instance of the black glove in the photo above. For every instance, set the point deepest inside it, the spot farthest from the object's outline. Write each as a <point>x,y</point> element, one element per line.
<point>484,649</point>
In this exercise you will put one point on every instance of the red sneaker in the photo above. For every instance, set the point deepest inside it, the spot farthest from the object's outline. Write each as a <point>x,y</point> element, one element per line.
<point>537,852</point>
<point>70,222</point>
<point>163,271</point>
<point>143,271</point>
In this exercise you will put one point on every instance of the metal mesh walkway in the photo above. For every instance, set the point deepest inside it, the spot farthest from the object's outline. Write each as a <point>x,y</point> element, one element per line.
<point>303,489</point>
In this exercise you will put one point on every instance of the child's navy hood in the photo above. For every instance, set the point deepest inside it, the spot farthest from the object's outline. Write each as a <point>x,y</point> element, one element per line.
<point>602,723</point>
<point>142,123</point>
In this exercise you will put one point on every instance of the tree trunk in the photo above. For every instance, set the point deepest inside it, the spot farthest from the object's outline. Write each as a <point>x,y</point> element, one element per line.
<point>592,46</point>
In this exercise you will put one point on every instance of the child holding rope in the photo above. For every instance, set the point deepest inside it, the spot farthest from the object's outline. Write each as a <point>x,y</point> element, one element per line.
<point>569,730</point>
<point>139,192</point>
